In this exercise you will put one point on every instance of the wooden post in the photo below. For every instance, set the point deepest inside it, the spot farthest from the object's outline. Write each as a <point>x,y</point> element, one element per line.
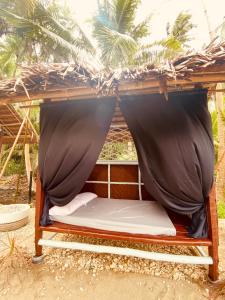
<point>213,235</point>
<point>38,213</point>
<point>28,164</point>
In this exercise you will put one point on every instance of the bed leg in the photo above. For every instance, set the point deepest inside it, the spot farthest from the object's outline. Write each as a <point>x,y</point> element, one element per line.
<point>38,212</point>
<point>213,269</point>
<point>38,258</point>
<point>38,248</point>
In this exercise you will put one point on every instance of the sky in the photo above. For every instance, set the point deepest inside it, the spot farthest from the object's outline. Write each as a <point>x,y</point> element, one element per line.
<point>164,11</point>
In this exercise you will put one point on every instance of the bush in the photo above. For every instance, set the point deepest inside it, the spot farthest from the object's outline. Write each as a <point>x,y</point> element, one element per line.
<point>14,167</point>
<point>221,209</point>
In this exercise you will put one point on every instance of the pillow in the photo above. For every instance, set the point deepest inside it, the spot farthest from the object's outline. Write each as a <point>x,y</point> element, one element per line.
<point>72,206</point>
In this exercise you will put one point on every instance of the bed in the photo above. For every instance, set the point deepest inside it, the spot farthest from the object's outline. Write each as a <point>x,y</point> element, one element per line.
<point>117,181</point>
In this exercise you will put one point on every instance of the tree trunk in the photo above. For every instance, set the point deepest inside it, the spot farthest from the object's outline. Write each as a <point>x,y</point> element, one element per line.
<point>220,176</point>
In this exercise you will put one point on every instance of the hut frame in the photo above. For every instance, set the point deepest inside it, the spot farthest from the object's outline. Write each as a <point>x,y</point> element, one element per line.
<point>64,82</point>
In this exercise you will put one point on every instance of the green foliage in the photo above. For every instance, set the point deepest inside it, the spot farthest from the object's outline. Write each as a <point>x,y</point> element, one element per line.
<point>116,32</point>
<point>118,151</point>
<point>181,28</point>
<point>43,31</point>
<point>15,167</point>
<point>178,36</point>
<point>221,209</point>
<point>16,164</point>
<point>10,50</point>
<point>214,118</point>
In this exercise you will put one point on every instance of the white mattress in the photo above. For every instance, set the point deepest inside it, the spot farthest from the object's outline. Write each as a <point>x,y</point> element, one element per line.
<point>131,216</point>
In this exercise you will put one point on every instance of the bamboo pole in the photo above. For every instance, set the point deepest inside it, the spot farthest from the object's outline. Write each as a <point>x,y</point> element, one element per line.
<point>14,144</point>
<point>32,127</point>
<point>1,142</point>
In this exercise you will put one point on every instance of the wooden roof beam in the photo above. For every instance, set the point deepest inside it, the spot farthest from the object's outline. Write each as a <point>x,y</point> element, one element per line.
<point>125,87</point>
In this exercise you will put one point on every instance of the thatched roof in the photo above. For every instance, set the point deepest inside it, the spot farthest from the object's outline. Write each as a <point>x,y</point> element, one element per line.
<point>69,80</point>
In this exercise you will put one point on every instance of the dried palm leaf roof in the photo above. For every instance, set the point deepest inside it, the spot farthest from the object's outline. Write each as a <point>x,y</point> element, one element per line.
<point>69,80</point>
<point>183,67</point>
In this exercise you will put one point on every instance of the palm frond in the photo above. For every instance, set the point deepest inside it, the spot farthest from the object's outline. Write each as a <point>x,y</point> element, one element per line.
<point>10,53</point>
<point>51,21</point>
<point>116,47</point>
<point>181,27</point>
<point>142,29</point>
<point>116,32</point>
<point>26,25</point>
<point>125,13</point>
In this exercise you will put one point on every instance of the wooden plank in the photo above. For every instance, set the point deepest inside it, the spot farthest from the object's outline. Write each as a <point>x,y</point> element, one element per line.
<point>141,238</point>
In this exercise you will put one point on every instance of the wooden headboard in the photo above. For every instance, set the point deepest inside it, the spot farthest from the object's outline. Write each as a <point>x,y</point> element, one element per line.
<point>117,180</point>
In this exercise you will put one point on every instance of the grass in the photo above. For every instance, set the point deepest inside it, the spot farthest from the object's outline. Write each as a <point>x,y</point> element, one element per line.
<point>13,261</point>
<point>221,209</point>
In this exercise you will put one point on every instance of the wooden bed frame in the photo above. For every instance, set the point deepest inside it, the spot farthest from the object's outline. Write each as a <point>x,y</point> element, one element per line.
<point>122,180</point>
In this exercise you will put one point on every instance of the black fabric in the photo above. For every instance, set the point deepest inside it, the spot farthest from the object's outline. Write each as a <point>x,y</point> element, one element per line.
<point>175,150</point>
<point>71,138</point>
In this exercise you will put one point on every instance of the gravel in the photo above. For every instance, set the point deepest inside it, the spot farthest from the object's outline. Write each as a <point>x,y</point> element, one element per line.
<point>94,263</point>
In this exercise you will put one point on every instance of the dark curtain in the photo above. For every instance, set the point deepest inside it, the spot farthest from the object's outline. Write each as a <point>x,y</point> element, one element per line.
<point>175,150</point>
<point>72,134</point>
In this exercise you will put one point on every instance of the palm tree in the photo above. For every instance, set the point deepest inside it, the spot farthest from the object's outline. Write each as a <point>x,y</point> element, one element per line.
<point>175,43</point>
<point>43,30</point>
<point>10,52</point>
<point>116,31</point>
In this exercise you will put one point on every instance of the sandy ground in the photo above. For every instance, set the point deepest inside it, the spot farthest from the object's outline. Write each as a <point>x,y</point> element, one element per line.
<point>66,274</point>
